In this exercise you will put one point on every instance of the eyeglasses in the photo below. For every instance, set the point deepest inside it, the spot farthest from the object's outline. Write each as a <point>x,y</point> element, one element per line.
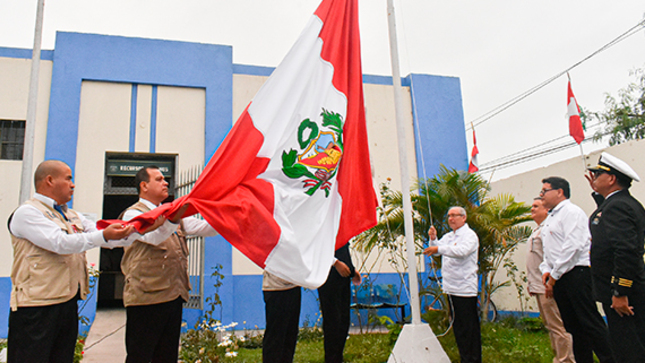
<point>597,173</point>
<point>543,191</point>
<point>455,215</point>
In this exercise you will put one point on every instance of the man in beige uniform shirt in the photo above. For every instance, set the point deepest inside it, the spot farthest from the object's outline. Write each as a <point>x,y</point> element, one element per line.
<point>49,272</point>
<point>560,339</point>
<point>156,276</point>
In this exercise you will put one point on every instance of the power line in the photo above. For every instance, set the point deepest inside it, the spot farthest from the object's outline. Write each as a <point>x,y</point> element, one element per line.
<point>517,153</point>
<point>503,107</point>
<point>525,158</point>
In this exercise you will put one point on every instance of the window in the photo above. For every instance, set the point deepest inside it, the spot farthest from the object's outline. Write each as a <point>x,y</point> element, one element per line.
<point>12,139</point>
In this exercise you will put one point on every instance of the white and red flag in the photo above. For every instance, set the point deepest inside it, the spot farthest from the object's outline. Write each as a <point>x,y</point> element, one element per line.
<point>473,167</point>
<point>292,180</point>
<point>573,111</point>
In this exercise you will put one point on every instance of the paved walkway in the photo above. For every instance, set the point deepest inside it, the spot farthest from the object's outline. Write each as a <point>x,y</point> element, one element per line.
<point>106,340</point>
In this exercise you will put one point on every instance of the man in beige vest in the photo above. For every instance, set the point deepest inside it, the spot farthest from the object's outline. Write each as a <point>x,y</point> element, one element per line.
<point>560,339</point>
<point>156,276</point>
<point>49,272</point>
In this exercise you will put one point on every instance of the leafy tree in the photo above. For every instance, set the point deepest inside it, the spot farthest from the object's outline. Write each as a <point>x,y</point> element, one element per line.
<point>624,118</point>
<point>495,220</point>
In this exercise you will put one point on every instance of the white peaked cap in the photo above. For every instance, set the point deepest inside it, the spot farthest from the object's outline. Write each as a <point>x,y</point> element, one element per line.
<point>614,165</point>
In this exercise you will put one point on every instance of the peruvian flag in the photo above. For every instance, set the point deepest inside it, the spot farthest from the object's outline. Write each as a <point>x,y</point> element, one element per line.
<point>573,111</point>
<point>474,164</point>
<point>292,180</point>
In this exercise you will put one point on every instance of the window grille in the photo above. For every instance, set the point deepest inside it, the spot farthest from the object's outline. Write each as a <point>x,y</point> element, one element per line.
<point>12,139</point>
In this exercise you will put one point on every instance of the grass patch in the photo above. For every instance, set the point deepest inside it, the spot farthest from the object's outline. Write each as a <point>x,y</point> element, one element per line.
<point>510,341</point>
<point>366,348</point>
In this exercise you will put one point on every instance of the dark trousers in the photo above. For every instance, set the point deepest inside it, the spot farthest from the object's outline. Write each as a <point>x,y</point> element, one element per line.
<point>627,333</point>
<point>466,328</point>
<point>335,298</point>
<point>282,310</point>
<point>572,293</point>
<point>152,332</point>
<point>43,334</point>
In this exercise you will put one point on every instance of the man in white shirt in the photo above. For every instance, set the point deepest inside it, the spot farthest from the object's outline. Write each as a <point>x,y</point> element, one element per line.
<point>459,251</point>
<point>156,275</point>
<point>566,273</point>
<point>49,273</point>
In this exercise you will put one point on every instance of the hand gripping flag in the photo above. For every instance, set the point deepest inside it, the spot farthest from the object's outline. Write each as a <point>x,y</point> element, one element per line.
<point>573,111</point>
<point>474,164</point>
<point>291,182</point>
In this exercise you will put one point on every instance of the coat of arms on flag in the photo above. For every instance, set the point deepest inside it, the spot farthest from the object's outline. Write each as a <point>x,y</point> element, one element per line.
<point>321,153</point>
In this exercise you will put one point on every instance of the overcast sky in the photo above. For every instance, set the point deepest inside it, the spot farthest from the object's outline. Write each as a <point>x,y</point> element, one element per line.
<point>499,49</point>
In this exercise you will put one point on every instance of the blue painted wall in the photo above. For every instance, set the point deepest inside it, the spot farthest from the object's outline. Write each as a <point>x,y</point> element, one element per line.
<point>437,108</point>
<point>439,123</point>
<point>5,293</point>
<point>25,53</point>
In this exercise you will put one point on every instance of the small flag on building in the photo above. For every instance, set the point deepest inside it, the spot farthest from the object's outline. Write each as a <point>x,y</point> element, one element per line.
<point>573,111</point>
<point>474,164</point>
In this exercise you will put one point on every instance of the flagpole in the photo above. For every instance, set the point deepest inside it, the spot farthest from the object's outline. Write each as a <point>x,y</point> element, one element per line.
<point>405,175</point>
<point>417,342</point>
<point>30,125</point>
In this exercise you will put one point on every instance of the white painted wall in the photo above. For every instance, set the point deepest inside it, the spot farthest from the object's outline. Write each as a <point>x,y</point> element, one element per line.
<point>144,111</point>
<point>526,186</point>
<point>9,198</point>
<point>14,91</point>
<point>103,125</point>
<point>181,115</point>
<point>382,134</point>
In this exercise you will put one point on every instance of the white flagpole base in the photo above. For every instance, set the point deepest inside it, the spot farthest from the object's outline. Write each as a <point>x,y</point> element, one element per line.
<point>417,343</point>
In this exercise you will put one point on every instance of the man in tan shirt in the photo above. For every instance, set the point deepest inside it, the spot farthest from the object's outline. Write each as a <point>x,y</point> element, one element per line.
<point>560,339</point>
<point>49,272</point>
<point>156,275</point>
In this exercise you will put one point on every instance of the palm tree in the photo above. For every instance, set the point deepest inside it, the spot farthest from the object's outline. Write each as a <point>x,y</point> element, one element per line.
<point>499,234</point>
<point>495,220</point>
